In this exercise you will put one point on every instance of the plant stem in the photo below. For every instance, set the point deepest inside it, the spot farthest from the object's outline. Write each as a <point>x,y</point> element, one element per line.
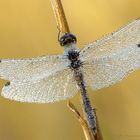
<point>86,130</point>
<point>98,135</point>
<point>60,17</point>
<point>86,122</point>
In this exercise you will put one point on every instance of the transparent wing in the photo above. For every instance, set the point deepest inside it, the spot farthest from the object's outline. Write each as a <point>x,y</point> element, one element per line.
<point>30,69</point>
<point>58,86</point>
<point>107,70</point>
<point>127,36</point>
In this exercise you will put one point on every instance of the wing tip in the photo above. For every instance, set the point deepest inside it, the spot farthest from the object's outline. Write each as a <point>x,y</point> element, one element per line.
<point>138,45</point>
<point>138,18</point>
<point>7,84</point>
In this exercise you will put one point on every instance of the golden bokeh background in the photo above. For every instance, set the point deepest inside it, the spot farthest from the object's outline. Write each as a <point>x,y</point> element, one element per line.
<point>28,29</point>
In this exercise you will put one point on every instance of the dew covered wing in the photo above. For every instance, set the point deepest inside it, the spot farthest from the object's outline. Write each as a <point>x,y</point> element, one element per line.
<point>25,70</point>
<point>110,59</point>
<point>58,86</point>
<point>126,36</point>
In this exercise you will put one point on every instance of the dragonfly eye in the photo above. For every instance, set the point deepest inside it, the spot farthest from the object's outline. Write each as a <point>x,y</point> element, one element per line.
<point>67,38</point>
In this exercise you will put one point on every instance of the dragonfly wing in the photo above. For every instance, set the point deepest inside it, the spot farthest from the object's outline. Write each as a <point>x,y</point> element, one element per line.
<point>30,69</point>
<point>127,36</point>
<point>55,87</point>
<point>107,70</point>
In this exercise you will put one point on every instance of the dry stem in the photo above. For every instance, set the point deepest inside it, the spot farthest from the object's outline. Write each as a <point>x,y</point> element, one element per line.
<point>98,135</point>
<point>63,27</point>
<point>86,130</point>
<point>61,20</point>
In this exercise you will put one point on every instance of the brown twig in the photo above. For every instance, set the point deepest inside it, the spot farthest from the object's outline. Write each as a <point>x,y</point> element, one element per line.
<point>86,130</point>
<point>61,20</point>
<point>98,135</point>
<point>63,27</point>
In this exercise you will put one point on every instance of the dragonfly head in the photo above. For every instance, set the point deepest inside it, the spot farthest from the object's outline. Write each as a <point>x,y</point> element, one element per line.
<point>67,39</point>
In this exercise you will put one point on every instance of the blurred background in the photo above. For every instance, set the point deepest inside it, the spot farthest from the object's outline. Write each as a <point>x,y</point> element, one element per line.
<point>28,29</point>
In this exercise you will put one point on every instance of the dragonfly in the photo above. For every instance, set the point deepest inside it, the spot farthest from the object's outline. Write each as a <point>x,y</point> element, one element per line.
<point>51,78</point>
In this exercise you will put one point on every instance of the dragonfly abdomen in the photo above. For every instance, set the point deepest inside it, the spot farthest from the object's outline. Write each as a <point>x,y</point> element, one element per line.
<point>75,64</point>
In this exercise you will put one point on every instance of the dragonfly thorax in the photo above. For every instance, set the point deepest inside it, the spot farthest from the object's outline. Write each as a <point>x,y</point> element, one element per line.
<point>67,39</point>
<point>73,55</point>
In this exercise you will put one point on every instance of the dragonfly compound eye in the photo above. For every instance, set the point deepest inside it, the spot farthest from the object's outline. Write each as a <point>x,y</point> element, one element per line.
<point>67,39</point>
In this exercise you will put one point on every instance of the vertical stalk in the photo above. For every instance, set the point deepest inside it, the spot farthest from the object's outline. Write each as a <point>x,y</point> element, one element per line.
<point>87,132</point>
<point>61,20</point>
<point>90,123</point>
<point>98,135</point>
